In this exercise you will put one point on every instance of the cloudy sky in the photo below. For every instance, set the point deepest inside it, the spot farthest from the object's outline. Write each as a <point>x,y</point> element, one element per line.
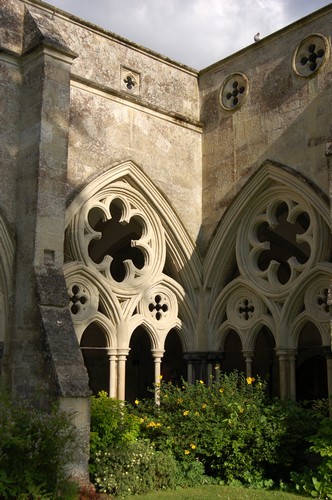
<point>194,32</point>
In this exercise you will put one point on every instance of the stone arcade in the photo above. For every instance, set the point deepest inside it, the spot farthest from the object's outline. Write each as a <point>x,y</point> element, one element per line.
<point>156,219</point>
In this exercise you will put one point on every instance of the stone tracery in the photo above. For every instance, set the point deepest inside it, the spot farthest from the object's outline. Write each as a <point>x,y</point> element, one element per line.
<point>115,278</point>
<point>284,270</point>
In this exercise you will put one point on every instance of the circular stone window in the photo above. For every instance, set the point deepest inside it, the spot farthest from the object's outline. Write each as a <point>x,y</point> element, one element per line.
<point>310,55</point>
<point>233,91</point>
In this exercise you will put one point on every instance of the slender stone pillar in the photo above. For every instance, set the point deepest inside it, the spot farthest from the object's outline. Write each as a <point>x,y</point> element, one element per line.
<point>283,372</point>
<point>190,372</point>
<point>122,357</point>
<point>292,374</point>
<point>248,356</point>
<point>157,357</point>
<point>113,375</point>
<point>328,354</point>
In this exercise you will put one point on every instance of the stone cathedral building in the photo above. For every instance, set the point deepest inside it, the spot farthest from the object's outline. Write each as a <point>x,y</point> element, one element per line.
<point>156,219</point>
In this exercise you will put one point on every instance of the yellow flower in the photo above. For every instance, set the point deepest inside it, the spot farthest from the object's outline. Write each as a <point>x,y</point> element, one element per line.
<point>250,380</point>
<point>186,452</point>
<point>241,410</point>
<point>160,377</point>
<point>185,413</point>
<point>193,446</point>
<point>153,424</point>
<point>201,382</point>
<point>203,406</point>
<point>136,402</point>
<point>221,390</point>
<point>197,413</point>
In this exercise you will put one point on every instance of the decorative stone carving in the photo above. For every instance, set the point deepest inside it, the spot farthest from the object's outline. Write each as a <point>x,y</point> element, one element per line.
<point>234,91</point>
<point>310,55</point>
<point>130,80</point>
<point>277,241</point>
<point>117,234</point>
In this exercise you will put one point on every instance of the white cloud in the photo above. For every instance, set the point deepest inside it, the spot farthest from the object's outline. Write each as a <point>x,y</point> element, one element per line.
<point>194,32</point>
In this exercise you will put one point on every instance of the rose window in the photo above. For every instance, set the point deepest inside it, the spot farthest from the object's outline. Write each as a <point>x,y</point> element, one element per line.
<point>276,242</point>
<point>118,236</point>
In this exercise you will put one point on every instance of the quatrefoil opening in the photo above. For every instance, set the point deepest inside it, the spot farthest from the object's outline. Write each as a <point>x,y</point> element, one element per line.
<point>310,55</point>
<point>233,91</point>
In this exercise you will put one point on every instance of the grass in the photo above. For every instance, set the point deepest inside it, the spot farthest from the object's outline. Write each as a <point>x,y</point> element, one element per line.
<point>213,492</point>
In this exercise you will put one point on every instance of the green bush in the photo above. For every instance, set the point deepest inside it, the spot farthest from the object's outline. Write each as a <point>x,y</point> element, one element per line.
<point>229,426</point>
<point>317,481</point>
<point>111,425</point>
<point>35,447</point>
<point>134,469</point>
<point>122,464</point>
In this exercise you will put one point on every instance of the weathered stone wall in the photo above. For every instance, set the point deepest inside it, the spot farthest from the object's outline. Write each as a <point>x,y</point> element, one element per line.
<point>11,20</point>
<point>155,124</point>
<point>285,118</point>
<point>105,131</point>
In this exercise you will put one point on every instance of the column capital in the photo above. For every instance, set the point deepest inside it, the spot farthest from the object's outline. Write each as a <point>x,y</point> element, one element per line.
<point>248,353</point>
<point>123,352</point>
<point>112,351</point>
<point>157,353</point>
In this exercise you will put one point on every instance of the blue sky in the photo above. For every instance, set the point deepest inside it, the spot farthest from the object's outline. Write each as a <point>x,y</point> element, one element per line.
<point>193,32</point>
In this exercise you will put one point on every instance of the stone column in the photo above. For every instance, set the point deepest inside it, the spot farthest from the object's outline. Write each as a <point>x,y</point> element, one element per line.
<point>157,357</point>
<point>283,372</point>
<point>248,356</point>
<point>328,355</point>
<point>189,372</point>
<point>113,375</point>
<point>292,374</point>
<point>122,358</point>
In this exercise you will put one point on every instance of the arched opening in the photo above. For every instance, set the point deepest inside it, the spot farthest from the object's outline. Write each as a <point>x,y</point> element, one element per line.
<point>265,363</point>
<point>232,357</point>
<point>94,350</point>
<point>173,367</point>
<point>311,369</point>
<point>139,367</point>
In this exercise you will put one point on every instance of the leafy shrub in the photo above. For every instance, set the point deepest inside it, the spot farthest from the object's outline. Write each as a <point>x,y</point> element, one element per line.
<point>229,426</point>
<point>317,481</point>
<point>111,425</point>
<point>134,469</point>
<point>35,447</point>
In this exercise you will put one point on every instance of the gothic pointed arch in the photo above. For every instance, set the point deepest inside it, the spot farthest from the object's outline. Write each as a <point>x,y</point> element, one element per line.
<point>120,233</point>
<point>269,267</point>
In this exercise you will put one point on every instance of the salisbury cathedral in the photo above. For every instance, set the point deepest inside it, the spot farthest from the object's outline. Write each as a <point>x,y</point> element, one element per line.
<point>160,220</point>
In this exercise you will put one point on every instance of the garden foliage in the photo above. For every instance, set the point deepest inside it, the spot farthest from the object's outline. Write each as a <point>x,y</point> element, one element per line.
<point>317,481</point>
<point>227,432</point>
<point>123,461</point>
<point>35,448</point>
<point>230,427</point>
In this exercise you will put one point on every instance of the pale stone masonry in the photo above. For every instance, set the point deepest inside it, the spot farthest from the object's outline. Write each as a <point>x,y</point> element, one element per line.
<point>156,219</point>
